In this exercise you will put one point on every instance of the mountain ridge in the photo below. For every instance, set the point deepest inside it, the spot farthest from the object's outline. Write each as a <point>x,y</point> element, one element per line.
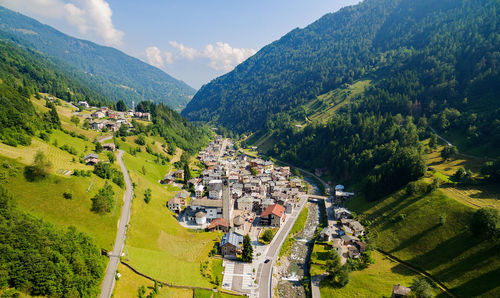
<point>114,73</point>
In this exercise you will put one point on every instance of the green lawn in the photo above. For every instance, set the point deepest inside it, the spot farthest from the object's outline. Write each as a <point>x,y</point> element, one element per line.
<point>449,252</point>
<point>297,227</point>
<point>44,199</point>
<point>319,254</point>
<point>129,283</point>
<point>156,244</point>
<point>375,281</point>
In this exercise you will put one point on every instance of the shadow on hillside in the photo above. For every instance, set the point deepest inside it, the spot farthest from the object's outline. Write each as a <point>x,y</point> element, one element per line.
<point>486,284</point>
<point>392,209</point>
<point>479,258</point>
<point>402,270</point>
<point>445,251</point>
<point>414,238</point>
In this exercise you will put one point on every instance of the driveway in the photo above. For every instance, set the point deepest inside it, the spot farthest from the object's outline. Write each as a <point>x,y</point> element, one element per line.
<point>109,277</point>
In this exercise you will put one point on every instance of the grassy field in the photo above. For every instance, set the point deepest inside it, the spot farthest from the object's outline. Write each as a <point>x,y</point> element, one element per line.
<point>129,283</point>
<point>44,199</point>
<point>297,227</point>
<point>156,244</point>
<point>325,105</point>
<point>375,281</point>
<point>410,228</point>
<point>475,196</point>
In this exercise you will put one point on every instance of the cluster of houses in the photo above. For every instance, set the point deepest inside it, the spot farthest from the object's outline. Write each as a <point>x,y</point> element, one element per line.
<point>233,191</point>
<point>344,232</point>
<point>106,118</point>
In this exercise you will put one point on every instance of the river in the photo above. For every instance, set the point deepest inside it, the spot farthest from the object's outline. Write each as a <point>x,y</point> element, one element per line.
<point>295,267</point>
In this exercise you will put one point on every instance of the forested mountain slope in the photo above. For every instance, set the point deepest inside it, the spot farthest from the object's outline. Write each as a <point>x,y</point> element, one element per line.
<point>422,57</point>
<point>111,72</point>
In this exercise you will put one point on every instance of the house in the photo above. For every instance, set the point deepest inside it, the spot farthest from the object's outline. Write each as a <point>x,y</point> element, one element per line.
<point>274,215</point>
<point>84,104</point>
<point>357,228</point>
<point>198,191</point>
<point>91,159</point>
<point>109,147</point>
<point>266,203</point>
<point>245,203</point>
<point>112,126</point>
<point>295,182</point>
<point>341,194</point>
<point>337,245</point>
<point>98,115</point>
<point>325,234</point>
<point>179,174</point>
<point>112,115</point>
<point>213,208</point>
<point>348,239</point>
<point>174,204</point>
<point>146,116</point>
<point>97,125</point>
<point>215,189</point>
<point>288,207</point>
<point>219,224</point>
<point>400,291</point>
<point>340,213</point>
<point>231,244</point>
<point>167,179</point>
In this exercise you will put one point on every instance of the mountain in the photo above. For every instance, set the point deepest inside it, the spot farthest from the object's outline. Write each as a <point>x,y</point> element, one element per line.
<point>420,57</point>
<point>113,73</point>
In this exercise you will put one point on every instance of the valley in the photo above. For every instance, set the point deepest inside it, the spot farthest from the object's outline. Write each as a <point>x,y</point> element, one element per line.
<point>356,156</point>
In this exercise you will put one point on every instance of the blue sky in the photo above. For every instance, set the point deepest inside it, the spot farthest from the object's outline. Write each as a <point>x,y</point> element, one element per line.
<point>194,41</point>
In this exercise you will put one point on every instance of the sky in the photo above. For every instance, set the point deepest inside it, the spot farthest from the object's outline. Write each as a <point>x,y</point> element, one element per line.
<point>194,41</point>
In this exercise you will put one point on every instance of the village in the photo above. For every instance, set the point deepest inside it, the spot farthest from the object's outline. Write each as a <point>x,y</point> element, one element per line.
<point>244,195</point>
<point>106,119</point>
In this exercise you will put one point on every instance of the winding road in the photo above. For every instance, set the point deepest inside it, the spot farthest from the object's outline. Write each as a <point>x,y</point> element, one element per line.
<point>109,277</point>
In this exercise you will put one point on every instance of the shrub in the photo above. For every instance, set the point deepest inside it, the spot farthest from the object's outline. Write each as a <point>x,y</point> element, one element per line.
<point>67,195</point>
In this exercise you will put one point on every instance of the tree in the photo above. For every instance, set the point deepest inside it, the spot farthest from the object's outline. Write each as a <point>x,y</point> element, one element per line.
<point>141,140</point>
<point>40,167</point>
<point>121,106</point>
<point>102,202</point>
<point>111,157</point>
<point>433,141</point>
<point>268,235</point>
<point>187,173</point>
<point>75,119</point>
<point>247,254</point>
<point>147,196</point>
<point>98,146</point>
<point>449,151</point>
<point>333,264</point>
<point>421,288</point>
<point>486,223</point>
<point>103,170</point>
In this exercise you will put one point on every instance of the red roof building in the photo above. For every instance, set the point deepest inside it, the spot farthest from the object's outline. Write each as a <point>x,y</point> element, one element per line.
<point>274,215</point>
<point>219,224</point>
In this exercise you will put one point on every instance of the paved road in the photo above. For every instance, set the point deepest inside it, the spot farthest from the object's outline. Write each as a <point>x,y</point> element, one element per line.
<point>315,281</point>
<point>109,277</point>
<point>265,278</point>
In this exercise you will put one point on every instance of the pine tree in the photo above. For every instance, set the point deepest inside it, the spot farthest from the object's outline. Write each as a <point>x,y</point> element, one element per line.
<point>247,255</point>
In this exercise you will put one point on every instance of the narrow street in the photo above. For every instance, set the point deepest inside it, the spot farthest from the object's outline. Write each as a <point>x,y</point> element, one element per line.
<point>109,277</point>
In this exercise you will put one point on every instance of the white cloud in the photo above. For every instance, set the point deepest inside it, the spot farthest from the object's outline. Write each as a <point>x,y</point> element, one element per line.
<point>92,18</point>
<point>154,57</point>
<point>185,52</point>
<point>224,57</point>
<point>221,56</point>
<point>169,57</point>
